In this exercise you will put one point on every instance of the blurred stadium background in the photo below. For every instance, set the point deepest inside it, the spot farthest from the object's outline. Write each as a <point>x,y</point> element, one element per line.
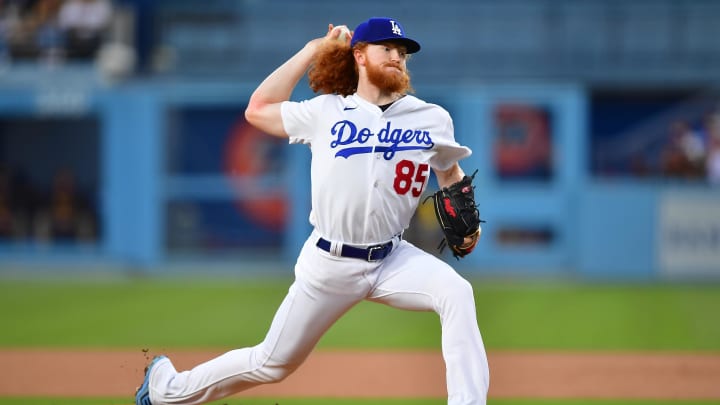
<point>124,156</point>
<point>595,127</point>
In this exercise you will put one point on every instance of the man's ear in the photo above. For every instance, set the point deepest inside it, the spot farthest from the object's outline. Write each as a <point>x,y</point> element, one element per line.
<point>360,57</point>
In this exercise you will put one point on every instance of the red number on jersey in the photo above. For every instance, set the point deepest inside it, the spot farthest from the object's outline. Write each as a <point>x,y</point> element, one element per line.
<point>406,176</point>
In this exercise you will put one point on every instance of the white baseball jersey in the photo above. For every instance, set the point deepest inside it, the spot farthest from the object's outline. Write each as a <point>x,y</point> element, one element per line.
<point>369,167</point>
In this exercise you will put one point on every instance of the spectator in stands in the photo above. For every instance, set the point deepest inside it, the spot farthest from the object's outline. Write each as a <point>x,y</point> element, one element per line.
<point>66,214</point>
<point>4,22</point>
<point>85,24</point>
<point>49,38</point>
<point>31,28</point>
<point>712,164</point>
<point>16,34</point>
<point>684,154</point>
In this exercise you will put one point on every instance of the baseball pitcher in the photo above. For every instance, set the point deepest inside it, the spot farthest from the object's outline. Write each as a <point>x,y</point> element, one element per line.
<point>373,148</point>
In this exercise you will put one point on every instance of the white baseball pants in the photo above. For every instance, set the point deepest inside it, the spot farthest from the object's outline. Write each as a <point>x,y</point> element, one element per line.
<point>325,288</point>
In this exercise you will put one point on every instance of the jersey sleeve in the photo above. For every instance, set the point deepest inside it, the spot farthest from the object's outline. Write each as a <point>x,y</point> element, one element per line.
<point>448,151</point>
<point>299,119</point>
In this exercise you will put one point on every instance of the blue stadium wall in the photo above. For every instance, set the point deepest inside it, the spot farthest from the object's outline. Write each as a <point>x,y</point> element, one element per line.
<point>567,223</point>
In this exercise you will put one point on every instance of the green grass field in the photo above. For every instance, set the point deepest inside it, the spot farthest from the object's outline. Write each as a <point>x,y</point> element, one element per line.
<point>563,316</point>
<point>227,313</point>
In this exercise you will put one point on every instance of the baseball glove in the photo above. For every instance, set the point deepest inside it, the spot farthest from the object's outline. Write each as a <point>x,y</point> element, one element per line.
<point>458,216</point>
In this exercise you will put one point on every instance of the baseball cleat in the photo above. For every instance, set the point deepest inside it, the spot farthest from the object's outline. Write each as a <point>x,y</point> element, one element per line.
<point>142,395</point>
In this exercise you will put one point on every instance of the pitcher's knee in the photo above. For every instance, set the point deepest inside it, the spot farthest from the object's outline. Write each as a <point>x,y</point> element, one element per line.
<point>460,291</point>
<point>275,374</point>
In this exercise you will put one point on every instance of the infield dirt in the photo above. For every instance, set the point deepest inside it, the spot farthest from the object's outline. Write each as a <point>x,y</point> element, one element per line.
<point>405,374</point>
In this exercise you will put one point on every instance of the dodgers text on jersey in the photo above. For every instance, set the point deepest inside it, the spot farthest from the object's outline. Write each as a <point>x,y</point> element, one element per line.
<point>348,139</point>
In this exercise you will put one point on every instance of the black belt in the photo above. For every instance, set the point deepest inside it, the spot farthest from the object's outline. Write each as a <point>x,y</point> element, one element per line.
<point>371,253</point>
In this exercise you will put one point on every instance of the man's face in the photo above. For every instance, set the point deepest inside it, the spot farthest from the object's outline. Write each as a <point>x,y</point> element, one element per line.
<point>386,67</point>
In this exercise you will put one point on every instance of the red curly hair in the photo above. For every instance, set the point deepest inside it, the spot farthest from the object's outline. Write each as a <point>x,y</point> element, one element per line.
<point>333,70</point>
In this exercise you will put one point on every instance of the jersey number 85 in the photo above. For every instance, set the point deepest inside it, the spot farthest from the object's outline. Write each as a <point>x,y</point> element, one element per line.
<point>408,177</point>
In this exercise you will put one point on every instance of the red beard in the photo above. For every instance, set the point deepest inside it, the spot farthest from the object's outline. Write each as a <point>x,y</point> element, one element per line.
<point>390,82</point>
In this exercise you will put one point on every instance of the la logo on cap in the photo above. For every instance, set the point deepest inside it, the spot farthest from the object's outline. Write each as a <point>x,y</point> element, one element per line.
<point>395,28</point>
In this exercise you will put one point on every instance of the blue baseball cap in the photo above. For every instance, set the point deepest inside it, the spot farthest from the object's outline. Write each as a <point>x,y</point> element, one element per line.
<point>379,29</point>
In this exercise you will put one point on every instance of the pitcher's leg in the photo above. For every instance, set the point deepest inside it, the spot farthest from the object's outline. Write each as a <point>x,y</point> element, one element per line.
<point>303,317</point>
<point>415,280</point>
